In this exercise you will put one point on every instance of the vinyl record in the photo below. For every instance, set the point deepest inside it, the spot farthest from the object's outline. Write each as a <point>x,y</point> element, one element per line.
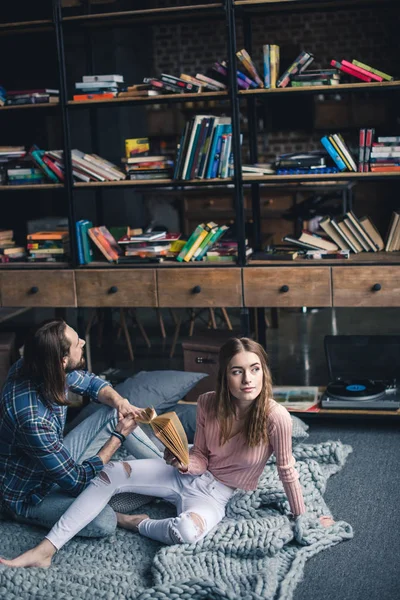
<point>361,389</point>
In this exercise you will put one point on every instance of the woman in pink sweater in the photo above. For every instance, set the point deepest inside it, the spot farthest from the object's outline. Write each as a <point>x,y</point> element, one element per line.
<point>238,428</point>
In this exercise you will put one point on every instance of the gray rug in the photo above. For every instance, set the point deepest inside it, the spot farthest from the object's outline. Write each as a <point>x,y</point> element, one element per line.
<point>255,553</point>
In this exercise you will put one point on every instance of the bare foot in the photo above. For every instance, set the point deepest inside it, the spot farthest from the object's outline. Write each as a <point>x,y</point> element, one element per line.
<point>40,556</point>
<point>130,522</point>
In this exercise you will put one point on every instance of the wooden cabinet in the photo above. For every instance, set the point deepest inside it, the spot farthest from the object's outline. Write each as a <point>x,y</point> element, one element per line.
<point>38,288</point>
<point>125,287</point>
<point>366,286</point>
<point>287,286</point>
<point>196,287</point>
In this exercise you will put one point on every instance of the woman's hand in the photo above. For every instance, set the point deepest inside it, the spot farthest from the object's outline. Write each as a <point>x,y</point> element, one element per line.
<point>171,460</point>
<point>126,425</point>
<point>326,521</point>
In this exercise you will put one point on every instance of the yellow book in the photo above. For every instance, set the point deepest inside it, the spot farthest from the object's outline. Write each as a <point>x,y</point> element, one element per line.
<point>202,235</point>
<point>169,431</point>
<point>136,146</point>
<point>274,64</point>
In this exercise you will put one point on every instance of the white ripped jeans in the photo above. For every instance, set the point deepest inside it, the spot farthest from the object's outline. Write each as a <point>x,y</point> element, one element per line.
<point>200,501</point>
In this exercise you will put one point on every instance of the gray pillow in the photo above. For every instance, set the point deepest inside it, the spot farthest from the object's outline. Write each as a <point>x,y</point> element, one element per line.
<point>160,389</point>
<point>300,430</point>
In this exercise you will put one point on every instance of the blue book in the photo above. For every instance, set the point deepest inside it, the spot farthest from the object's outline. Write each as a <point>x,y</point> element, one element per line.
<point>333,154</point>
<point>267,65</point>
<point>81,258</point>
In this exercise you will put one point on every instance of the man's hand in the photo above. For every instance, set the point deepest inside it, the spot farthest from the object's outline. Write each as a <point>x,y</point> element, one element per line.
<point>125,408</point>
<point>126,425</point>
<point>171,460</point>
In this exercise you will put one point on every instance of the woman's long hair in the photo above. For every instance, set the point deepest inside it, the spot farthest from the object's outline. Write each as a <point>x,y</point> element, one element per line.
<point>44,351</point>
<point>255,427</point>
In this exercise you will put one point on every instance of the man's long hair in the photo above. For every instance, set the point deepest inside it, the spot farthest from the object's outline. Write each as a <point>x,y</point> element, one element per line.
<point>44,351</point>
<point>255,427</point>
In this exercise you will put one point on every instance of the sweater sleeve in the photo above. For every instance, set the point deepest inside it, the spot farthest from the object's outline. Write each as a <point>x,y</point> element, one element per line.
<point>199,452</point>
<point>280,437</point>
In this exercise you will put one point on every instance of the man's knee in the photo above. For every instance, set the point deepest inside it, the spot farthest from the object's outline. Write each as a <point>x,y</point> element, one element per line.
<point>188,528</point>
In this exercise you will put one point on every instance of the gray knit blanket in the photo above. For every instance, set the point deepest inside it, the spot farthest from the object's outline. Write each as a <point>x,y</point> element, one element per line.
<point>255,553</point>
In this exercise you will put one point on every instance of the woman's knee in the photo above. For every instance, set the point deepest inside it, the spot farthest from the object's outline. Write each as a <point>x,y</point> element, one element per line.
<point>113,474</point>
<point>188,528</point>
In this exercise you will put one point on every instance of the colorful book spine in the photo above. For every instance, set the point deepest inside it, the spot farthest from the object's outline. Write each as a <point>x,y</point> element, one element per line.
<point>349,71</point>
<point>202,235</point>
<point>274,64</point>
<point>384,76</point>
<point>190,241</point>
<point>216,235</point>
<point>361,151</point>
<point>248,64</point>
<point>333,153</point>
<point>369,136</point>
<point>302,62</point>
<point>350,65</point>
<point>81,259</point>
<point>267,65</point>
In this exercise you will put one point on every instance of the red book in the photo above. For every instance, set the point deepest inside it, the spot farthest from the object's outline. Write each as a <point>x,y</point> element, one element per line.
<point>55,168</point>
<point>350,65</point>
<point>349,71</point>
<point>369,134</point>
<point>361,151</point>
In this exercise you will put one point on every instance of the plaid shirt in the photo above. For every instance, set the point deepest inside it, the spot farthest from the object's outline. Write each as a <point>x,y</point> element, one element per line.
<point>32,455</point>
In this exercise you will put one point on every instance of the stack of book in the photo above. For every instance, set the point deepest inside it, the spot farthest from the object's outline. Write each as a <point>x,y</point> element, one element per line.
<point>315,77</point>
<point>9,252</point>
<point>225,251</point>
<point>360,71</point>
<point>204,151</point>
<point>139,90</point>
<point>140,163</point>
<point>298,66</point>
<point>24,176</point>
<point>385,154</point>
<point>303,163</point>
<point>48,246</point>
<point>200,241</point>
<point>98,87</point>
<point>85,167</point>
<point>152,245</point>
<point>170,84</point>
<point>341,235</point>
<point>35,96</point>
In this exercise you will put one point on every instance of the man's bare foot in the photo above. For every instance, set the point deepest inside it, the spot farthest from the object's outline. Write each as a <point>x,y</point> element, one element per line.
<point>40,556</point>
<point>130,522</point>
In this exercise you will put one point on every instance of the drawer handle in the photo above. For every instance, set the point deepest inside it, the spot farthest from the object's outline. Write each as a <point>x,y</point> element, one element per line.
<point>34,289</point>
<point>196,289</point>
<point>204,361</point>
<point>284,289</point>
<point>113,289</point>
<point>376,287</point>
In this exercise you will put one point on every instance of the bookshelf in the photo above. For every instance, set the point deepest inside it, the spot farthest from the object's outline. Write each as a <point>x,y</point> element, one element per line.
<point>232,14</point>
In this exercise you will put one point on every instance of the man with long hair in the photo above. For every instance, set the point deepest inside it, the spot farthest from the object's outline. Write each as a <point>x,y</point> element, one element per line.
<point>40,472</point>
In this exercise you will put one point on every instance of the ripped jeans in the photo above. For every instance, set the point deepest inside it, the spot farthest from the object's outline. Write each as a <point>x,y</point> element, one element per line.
<point>200,501</point>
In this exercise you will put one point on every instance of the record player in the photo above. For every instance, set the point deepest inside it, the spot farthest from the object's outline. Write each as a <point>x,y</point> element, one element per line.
<point>364,372</point>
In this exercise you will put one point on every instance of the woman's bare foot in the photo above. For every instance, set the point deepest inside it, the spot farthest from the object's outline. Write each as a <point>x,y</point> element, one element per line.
<point>130,522</point>
<point>40,556</point>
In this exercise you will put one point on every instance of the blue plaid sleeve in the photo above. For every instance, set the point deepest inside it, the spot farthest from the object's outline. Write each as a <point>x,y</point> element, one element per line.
<point>41,443</point>
<point>84,383</point>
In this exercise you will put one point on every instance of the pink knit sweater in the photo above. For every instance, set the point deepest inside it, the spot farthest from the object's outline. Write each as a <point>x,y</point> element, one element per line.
<point>237,465</point>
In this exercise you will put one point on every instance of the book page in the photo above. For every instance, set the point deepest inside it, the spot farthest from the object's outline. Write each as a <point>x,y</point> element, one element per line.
<point>170,432</point>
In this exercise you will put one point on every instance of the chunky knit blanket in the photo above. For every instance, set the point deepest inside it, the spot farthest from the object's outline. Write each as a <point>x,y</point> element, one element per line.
<point>257,552</point>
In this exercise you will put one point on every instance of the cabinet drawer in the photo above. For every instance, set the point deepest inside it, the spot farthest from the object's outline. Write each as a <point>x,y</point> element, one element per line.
<point>127,287</point>
<point>198,206</point>
<point>45,288</point>
<point>366,286</point>
<point>199,287</point>
<point>287,286</point>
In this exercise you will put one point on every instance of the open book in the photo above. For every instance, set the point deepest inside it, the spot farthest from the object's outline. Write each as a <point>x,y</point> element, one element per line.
<point>169,431</point>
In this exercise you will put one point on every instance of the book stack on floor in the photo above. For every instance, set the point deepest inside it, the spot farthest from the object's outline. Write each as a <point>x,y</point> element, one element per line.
<point>384,155</point>
<point>48,246</point>
<point>98,87</point>
<point>32,96</point>
<point>360,71</point>
<point>154,245</point>
<point>204,151</point>
<point>9,251</point>
<point>340,236</point>
<point>85,166</point>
